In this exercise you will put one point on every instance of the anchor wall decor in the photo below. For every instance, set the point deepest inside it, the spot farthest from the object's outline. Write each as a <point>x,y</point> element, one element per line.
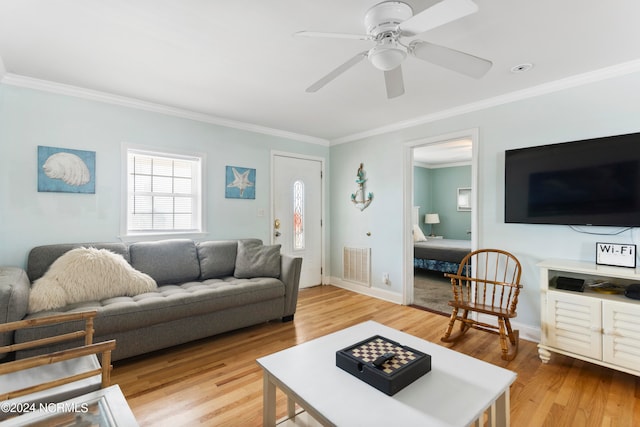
<point>358,198</point>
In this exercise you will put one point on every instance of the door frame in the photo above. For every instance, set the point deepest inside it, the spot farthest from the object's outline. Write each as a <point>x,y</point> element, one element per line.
<point>323,236</point>
<point>407,218</point>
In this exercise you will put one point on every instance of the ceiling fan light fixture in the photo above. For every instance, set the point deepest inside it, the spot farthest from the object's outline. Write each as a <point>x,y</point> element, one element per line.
<point>389,24</point>
<point>386,57</point>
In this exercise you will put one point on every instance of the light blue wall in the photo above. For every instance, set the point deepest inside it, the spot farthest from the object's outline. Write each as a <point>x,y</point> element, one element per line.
<point>29,118</point>
<point>438,187</point>
<point>349,225</point>
<point>602,108</point>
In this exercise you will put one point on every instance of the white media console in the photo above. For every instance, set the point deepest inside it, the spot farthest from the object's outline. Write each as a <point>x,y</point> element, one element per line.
<point>600,328</point>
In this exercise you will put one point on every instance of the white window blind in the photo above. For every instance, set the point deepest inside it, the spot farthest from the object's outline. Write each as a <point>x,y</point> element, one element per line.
<point>164,193</point>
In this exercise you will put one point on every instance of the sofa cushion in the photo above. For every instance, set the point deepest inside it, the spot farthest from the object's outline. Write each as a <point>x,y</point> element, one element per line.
<point>217,258</point>
<point>14,298</point>
<point>256,260</point>
<point>166,304</point>
<point>167,261</point>
<point>41,257</point>
<point>87,274</point>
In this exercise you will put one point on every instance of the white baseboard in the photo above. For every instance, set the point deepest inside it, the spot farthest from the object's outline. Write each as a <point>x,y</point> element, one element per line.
<point>527,332</point>
<point>382,294</point>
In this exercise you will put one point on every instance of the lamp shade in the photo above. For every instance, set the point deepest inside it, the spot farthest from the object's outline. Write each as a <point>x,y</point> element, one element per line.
<point>432,218</point>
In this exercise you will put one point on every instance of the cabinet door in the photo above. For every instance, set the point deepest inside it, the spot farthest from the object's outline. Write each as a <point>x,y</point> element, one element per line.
<point>574,324</point>
<point>621,339</point>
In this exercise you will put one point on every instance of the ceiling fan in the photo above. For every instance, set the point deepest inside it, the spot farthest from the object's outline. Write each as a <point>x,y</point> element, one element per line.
<point>388,24</point>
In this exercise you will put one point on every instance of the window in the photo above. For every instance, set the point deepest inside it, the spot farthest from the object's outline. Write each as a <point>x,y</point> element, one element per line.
<point>164,193</point>
<point>298,215</point>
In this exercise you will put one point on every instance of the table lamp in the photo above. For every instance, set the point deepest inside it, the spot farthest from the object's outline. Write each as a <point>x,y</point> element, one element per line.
<point>432,218</point>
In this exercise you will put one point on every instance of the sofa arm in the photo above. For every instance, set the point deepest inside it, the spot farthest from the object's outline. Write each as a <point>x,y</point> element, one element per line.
<point>14,299</point>
<point>290,268</point>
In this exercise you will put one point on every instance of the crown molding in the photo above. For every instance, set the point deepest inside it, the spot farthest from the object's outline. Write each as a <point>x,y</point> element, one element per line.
<point>442,165</point>
<point>542,89</point>
<point>123,101</point>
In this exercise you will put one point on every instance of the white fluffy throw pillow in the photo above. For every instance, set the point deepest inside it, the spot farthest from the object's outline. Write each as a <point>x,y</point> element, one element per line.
<point>87,274</point>
<point>418,235</point>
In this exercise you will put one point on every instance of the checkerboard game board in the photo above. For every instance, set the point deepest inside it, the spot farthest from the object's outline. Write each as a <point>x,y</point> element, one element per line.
<point>372,350</point>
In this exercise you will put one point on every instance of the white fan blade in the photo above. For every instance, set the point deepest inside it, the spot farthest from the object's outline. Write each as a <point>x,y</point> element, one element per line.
<point>437,15</point>
<point>335,73</point>
<point>394,82</point>
<point>332,35</point>
<point>454,60</point>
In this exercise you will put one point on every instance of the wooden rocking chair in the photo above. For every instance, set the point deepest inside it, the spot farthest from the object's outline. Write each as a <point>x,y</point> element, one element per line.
<point>57,376</point>
<point>492,289</point>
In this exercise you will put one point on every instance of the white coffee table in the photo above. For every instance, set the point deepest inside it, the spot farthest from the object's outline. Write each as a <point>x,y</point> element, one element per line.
<point>457,392</point>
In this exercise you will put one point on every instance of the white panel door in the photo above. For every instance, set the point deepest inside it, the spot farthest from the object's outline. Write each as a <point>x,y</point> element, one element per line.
<point>621,340</point>
<point>575,324</point>
<point>297,213</point>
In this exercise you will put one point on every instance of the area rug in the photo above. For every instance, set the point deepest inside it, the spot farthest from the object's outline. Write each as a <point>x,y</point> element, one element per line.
<point>431,291</point>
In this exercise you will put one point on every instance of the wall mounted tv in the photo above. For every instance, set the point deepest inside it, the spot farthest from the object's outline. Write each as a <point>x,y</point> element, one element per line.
<point>588,182</point>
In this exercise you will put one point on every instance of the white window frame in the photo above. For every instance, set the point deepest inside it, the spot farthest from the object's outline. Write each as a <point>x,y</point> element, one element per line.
<point>199,185</point>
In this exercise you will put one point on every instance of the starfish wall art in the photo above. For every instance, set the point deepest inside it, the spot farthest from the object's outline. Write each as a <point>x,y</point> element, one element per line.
<point>241,183</point>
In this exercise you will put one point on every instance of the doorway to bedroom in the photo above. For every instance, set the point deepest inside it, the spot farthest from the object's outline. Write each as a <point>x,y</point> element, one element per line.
<point>442,217</point>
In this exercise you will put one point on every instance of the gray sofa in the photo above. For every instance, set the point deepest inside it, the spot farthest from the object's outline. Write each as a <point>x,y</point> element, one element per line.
<point>204,288</point>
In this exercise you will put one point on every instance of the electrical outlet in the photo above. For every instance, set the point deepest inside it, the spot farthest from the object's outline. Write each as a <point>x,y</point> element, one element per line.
<point>385,278</point>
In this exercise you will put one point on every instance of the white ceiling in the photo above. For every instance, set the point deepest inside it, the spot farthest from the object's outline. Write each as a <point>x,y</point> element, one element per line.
<point>238,61</point>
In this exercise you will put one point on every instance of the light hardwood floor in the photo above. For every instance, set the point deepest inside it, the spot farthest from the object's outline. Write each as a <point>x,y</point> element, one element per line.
<point>216,381</point>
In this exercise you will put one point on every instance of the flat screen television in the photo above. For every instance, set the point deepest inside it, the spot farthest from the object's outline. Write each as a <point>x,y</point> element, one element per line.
<point>588,182</point>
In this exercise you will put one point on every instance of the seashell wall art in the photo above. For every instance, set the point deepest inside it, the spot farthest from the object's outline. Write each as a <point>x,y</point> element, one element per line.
<point>64,170</point>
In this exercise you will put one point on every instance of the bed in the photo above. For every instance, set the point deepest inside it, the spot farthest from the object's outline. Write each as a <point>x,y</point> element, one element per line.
<point>440,254</point>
